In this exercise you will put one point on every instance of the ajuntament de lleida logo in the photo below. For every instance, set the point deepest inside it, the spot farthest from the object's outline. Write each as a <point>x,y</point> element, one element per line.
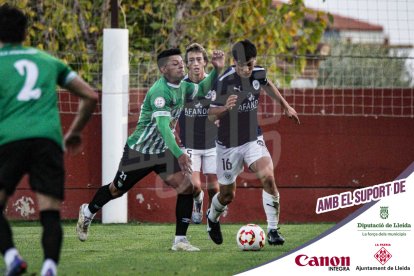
<point>384,212</point>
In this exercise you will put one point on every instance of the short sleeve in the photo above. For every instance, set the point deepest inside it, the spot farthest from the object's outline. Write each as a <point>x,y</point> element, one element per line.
<point>65,73</point>
<point>260,75</point>
<point>218,94</point>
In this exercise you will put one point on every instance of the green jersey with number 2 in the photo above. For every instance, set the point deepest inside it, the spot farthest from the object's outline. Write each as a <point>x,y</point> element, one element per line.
<point>28,98</point>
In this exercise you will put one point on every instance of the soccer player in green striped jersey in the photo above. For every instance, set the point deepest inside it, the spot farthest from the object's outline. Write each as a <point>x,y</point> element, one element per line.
<point>31,134</point>
<point>152,146</point>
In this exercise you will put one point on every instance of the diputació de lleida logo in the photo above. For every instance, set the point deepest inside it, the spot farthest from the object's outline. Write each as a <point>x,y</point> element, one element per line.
<point>384,212</point>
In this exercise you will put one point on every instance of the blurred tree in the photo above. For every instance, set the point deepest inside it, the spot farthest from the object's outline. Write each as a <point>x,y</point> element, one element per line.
<point>359,65</point>
<point>74,27</point>
<point>290,30</point>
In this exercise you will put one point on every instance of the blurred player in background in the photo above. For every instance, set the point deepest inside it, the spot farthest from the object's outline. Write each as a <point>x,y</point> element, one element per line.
<point>197,133</point>
<point>152,146</point>
<point>31,134</point>
<point>238,143</point>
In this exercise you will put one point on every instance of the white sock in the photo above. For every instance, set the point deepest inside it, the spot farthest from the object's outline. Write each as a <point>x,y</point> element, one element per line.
<point>271,207</point>
<point>87,212</point>
<point>49,264</point>
<point>9,256</point>
<point>180,239</point>
<point>216,209</point>
<point>199,198</point>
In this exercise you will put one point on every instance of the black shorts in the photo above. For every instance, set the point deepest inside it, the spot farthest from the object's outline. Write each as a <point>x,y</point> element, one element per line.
<point>40,158</point>
<point>134,166</point>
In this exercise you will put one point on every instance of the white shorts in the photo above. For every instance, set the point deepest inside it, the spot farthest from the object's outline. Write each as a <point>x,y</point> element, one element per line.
<point>205,159</point>
<point>230,161</point>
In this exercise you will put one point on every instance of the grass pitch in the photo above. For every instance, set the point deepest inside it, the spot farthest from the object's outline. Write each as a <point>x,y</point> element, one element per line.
<point>144,249</point>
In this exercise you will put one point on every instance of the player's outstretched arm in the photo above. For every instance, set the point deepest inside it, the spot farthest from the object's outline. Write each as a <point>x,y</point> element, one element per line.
<point>273,92</point>
<point>89,98</point>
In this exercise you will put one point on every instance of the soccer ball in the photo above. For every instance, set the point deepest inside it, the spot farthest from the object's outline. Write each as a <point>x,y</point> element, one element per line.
<point>251,237</point>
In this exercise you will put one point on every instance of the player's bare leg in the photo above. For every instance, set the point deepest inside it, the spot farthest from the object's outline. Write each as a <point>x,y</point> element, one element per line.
<point>212,187</point>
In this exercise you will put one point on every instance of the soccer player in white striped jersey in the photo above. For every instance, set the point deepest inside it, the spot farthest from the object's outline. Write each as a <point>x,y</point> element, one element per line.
<point>197,134</point>
<point>152,146</point>
<point>238,142</point>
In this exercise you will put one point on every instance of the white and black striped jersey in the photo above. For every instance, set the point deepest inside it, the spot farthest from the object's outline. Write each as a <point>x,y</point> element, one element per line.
<point>239,125</point>
<point>196,131</point>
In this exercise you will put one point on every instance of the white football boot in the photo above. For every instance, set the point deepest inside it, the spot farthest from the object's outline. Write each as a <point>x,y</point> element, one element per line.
<point>184,245</point>
<point>82,227</point>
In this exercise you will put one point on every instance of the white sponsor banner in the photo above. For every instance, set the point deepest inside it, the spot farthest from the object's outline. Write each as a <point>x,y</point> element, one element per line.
<point>375,240</point>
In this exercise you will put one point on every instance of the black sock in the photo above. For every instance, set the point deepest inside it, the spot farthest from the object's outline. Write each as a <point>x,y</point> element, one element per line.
<point>6,236</point>
<point>102,196</point>
<point>52,235</point>
<point>183,211</point>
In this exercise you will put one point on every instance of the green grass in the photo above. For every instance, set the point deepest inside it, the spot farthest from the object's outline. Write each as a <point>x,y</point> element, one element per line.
<point>144,249</point>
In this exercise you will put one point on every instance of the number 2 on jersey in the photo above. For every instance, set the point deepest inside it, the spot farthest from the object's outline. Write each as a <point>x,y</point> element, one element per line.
<point>29,70</point>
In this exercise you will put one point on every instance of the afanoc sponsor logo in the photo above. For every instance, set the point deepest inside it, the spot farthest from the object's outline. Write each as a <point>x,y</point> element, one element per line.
<point>333,263</point>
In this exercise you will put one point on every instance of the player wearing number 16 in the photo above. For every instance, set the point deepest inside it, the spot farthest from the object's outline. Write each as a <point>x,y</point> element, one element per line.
<point>238,140</point>
<point>31,140</point>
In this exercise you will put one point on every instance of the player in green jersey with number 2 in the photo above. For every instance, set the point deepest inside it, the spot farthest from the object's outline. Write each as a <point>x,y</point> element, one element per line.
<point>152,146</point>
<point>31,134</point>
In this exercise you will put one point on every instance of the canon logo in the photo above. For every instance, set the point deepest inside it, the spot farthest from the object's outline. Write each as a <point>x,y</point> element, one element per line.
<point>303,260</point>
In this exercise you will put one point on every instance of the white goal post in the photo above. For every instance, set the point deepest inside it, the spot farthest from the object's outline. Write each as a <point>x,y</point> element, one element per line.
<point>115,98</point>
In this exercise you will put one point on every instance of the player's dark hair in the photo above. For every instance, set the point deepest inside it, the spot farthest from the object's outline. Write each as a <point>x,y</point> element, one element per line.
<point>244,50</point>
<point>13,24</point>
<point>162,57</point>
<point>195,47</point>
